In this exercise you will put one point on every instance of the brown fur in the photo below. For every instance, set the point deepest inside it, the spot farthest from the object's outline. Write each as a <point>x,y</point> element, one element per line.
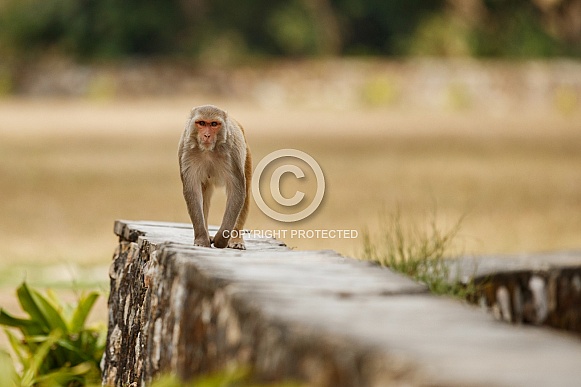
<point>210,156</point>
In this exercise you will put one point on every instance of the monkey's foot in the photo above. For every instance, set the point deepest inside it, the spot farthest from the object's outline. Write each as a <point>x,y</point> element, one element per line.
<point>202,242</point>
<point>237,243</point>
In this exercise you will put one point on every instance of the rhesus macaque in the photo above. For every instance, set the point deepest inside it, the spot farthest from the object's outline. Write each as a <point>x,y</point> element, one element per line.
<point>213,152</point>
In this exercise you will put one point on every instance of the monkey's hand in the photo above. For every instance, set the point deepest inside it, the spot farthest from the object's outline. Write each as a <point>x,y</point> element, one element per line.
<point>203,241</point>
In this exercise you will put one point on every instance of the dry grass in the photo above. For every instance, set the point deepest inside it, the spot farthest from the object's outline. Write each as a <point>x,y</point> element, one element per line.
<point>68,169</point>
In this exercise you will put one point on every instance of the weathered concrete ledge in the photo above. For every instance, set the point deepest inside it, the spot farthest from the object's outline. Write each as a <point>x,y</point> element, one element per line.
<point>315,317</point>
<point>539,289</point>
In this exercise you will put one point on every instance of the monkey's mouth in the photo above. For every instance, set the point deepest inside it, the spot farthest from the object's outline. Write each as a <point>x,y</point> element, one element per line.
<point>206,145</point>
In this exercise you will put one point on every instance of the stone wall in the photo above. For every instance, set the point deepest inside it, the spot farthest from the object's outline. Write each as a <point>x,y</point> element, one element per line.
<point>538,289</point>
<point>310,316</point>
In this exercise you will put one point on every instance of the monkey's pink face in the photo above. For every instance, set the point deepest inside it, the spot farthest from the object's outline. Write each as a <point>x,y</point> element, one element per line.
<point>208,132</point>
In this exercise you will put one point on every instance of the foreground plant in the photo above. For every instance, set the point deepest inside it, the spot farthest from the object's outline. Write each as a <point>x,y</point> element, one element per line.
<point>421,253</point>
<point>54,346</point>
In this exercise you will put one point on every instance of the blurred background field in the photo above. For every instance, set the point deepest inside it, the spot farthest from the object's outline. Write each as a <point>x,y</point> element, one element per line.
<point>470,107</point>
<point>69,168</point>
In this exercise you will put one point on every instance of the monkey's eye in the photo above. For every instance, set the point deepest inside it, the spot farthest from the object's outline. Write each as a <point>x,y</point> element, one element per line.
<point>214,123</point>
<point>202,123</point>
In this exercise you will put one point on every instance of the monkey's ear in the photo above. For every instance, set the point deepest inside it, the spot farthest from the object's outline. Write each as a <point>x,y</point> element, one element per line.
<point>191,125</point>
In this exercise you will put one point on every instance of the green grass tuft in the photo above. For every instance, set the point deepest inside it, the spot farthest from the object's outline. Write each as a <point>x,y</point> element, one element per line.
<point>421,253</point>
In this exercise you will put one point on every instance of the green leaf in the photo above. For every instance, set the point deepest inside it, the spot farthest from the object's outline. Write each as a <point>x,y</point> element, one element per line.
<point>52,314</point>
<point>8,375</point>
<point>21,350</point>
<point>39,308</point>
<point>64,308</point>
<point>75,349</point>
<point>31,372</point>
<point>101,332</point>
<point>81,312</point>
<point>29,305</point>
<point>65,375</point>
<point>26,326</point>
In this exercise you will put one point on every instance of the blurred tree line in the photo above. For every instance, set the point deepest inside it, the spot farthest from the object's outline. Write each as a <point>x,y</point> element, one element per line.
<point>229,30</point>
